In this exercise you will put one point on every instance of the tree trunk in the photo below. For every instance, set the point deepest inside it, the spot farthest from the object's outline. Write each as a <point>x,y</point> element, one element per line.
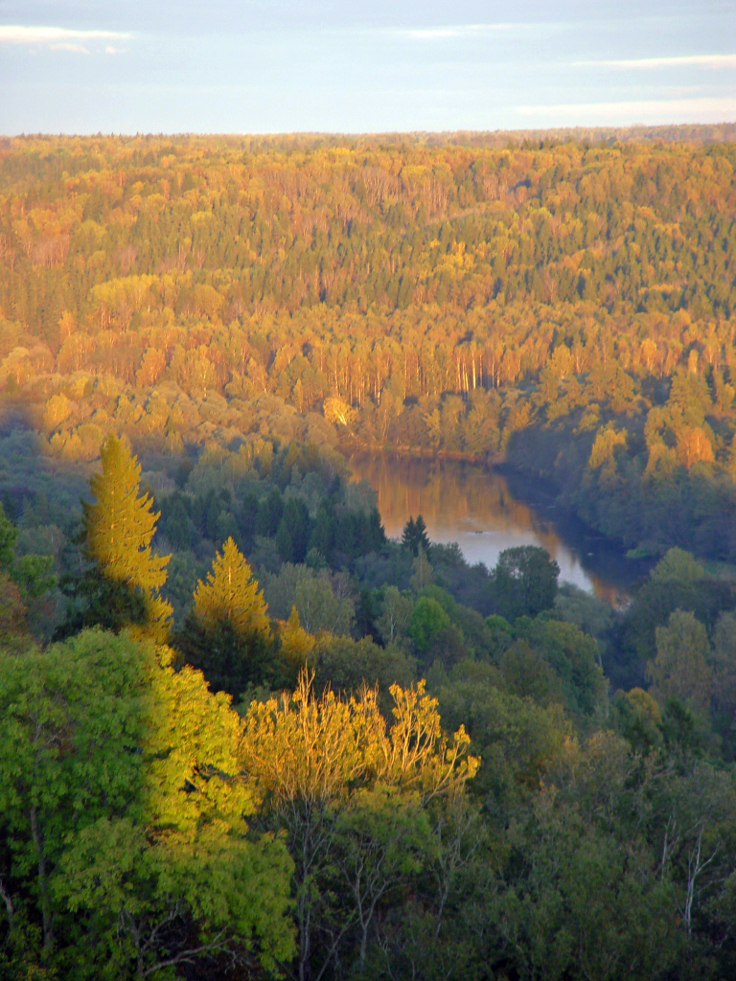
<point>46,911</point>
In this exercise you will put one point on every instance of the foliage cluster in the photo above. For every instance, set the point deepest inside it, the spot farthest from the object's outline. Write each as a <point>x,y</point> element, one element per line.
<point>509,816</point>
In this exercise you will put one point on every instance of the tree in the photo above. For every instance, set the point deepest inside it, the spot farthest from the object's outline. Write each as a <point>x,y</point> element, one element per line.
<point>393,623</point>
<point>524,581</point>
<point>31,572</point>
<point>427,620</point>
<point>320,609</point>
<point>414,535</point>
<point>119,525</point>
<point>117,529</point>
<point>679,566</point>
<point>227,634</point>
<point>122,827</point>
<point>681,668</point>
<point>328,764</point>
<point>232,594</point>
<point>8,538</point>
<point>59,762</point>
<point>296,643</point>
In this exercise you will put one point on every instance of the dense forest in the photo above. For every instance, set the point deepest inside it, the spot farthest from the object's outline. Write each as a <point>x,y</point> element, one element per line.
<point>346,756</point>
<point>560,306</point>
<point>245,735</point>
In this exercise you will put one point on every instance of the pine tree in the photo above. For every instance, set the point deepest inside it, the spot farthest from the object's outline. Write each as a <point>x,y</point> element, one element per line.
<point>232,594</point>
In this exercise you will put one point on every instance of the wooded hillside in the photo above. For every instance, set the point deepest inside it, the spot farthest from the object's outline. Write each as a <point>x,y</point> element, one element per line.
<point>462,297</point>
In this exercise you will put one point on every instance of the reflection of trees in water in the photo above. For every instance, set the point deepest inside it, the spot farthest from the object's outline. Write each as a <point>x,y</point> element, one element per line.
<point>447,492</point>
<point>450,494</point>
<point>607,591</point>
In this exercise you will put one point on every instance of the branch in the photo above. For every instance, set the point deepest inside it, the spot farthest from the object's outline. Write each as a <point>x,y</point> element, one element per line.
<point>217,944</point>
<point>8,903</point>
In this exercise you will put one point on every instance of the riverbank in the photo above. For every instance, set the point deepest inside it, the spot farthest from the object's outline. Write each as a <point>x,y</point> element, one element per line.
<point>486,510</point>
<point>348,446</point>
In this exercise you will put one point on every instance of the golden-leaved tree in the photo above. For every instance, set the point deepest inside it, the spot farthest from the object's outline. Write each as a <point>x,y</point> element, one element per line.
<point>231,594</point>
<point>354,797</point>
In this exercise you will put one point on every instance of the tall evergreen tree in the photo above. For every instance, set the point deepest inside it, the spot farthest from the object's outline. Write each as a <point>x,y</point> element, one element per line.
<point>117,529</point>
<point>227,635</point>
<point>119,526</point>
<point>415,536</point>
<point>232,594</point>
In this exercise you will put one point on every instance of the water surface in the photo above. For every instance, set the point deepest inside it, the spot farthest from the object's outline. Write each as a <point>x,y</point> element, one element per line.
<point>476,508</point>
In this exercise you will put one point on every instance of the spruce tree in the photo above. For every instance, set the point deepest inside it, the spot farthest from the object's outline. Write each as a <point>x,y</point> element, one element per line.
<point>227,634</point>
<point>117,529</point>
<point>415,536</point>
<point>232,594</point>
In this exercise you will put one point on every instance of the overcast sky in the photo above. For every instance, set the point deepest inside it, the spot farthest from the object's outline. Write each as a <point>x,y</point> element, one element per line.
<point>128,66</point>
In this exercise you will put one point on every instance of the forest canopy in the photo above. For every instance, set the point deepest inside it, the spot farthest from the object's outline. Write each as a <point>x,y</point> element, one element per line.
<point>565,307</point>
<point>243,734</point>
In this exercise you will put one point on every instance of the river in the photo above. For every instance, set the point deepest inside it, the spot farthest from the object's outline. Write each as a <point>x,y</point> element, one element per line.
<point>477,508</point>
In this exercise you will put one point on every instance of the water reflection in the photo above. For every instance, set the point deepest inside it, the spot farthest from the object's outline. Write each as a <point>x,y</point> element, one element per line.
<point>474,507</point>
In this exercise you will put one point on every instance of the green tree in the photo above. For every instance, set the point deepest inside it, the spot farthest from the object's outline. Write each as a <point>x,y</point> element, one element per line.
<point>677,565</point>
<point>427,620</point>
<point>524,581</point>
<point>414,535</point>
<point>320,609</point>
<point>31,572</point>
<point>8,537</point>
<point>393,623</point>
<point>122,817</point>
<point>681,668</point>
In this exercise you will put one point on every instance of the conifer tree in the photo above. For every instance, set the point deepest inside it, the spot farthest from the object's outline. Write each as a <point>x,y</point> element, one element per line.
<point>231,594</point>
<point>227,634</point>
<point>119,526</point>
<point>117,530</point>
<point>415,536</point>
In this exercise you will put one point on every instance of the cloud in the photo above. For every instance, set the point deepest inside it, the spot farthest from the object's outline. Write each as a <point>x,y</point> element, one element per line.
<point>112,50</point>
<point>57,38</point>
<point>654,111</point>
<point>66,46</point>
<point>459,30</point>
<point>707,61</point>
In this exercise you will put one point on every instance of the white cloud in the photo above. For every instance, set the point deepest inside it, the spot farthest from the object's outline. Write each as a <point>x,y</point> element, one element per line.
<point>54,37</point>
<point>112,50</point>
<point>66,46</point>
<point>459,30</point>
<point>707,61</point>
<point>654,111</point>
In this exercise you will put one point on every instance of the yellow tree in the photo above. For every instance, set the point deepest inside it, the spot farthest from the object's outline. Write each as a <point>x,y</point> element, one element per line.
<point>118,528</point>
<point>353,796</point>
<point>231,594</point>
<point>227,635</point>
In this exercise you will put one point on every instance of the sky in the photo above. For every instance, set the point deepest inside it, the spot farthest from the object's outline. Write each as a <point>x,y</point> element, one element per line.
<point>269,66</point>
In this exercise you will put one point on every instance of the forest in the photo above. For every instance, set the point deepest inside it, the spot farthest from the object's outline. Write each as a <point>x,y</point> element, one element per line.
<point>562,307</point>
<point>245,735</point>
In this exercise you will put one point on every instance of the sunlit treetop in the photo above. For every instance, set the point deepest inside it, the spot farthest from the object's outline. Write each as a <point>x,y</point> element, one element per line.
<point>231,594</point>
<point>119,525</point>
